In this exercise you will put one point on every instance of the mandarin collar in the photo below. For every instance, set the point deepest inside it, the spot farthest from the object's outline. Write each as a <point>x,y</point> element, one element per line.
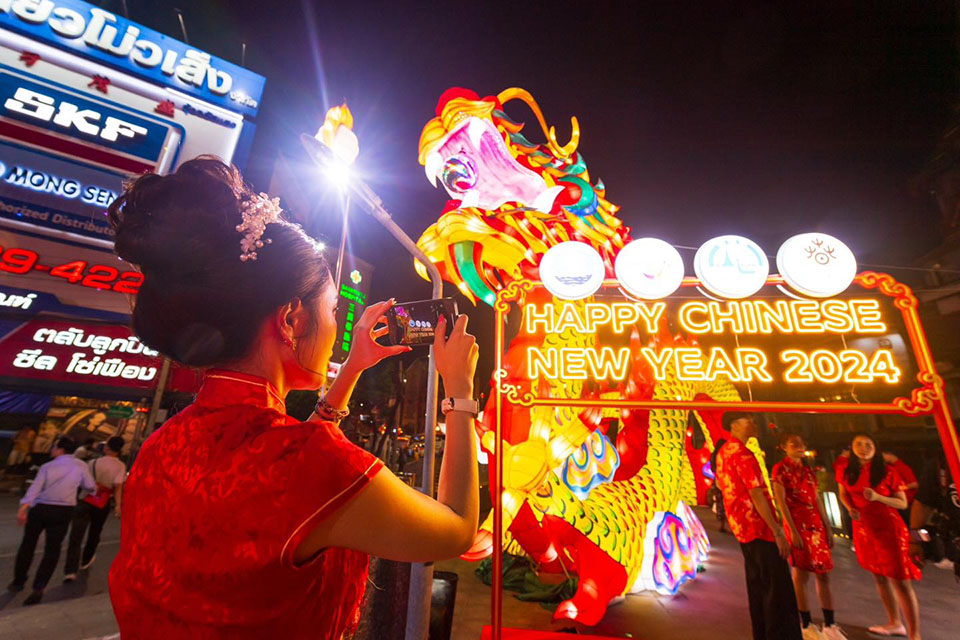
<point>222,387</point>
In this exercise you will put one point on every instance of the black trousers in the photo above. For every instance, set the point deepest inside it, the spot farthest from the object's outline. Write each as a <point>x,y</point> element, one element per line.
<point>773,603</point>
<point>49,518</point>
<point>86,515</point>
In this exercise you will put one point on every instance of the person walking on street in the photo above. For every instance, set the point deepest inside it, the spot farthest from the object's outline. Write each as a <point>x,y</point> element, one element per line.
<point>753,520</point>
<point>109,473</point>
<point>873,492</point>
<point>48,507</point>
<point>811,538</point>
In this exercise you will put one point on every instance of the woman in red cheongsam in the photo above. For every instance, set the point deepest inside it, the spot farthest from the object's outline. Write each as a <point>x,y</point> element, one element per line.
<point>873,492</point>
<point>811,538</point>
<point>240,521</point>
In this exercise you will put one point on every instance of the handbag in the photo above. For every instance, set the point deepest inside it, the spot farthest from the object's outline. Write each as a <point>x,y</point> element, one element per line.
<point>102,495</point>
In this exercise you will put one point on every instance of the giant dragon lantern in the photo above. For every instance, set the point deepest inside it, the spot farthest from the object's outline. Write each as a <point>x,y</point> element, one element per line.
<point>604,412</point>
<point>577,498</point>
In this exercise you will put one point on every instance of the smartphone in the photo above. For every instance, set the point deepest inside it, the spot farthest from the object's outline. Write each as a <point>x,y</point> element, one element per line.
<point>413,323</point>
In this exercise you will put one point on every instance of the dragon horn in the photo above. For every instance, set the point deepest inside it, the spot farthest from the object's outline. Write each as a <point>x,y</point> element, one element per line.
<point>563,151</point>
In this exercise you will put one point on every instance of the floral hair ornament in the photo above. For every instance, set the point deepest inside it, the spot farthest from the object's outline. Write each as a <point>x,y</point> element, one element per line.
<point>258,211</point>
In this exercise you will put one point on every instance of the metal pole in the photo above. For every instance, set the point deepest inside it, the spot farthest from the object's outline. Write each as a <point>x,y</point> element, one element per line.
<point>343,240</point>
<point>421,573</point>
<point>183,25</point>
<point>154,410</point>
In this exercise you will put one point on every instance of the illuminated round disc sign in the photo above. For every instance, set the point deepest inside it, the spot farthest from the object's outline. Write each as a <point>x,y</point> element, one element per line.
<point>649,268</point>
<point>572,270</point>
<point>816,265</point>
<point>731,266</point>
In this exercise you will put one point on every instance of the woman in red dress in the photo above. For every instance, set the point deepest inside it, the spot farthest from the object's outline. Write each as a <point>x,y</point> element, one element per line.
<point>873,492</point>
<point>811,538</point>
<point>240,521</point>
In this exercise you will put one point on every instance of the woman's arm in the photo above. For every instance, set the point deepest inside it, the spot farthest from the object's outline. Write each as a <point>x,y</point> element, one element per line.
<point>780,494</point>
<point>845,500</point>
<point>823,516</point>
<point>364,353</point>
<point>898,500</point>
<point>392,520</point>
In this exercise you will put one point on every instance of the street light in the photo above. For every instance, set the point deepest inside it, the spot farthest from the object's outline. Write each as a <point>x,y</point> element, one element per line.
<point>323,150</point>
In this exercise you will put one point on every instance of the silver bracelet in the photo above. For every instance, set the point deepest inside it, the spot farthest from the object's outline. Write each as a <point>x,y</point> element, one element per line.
<point>328,412</point>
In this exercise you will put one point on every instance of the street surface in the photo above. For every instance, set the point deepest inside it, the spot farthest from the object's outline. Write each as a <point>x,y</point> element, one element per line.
<point>712,607</point>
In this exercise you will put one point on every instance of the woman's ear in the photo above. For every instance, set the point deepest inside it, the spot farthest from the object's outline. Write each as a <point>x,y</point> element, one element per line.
<point>293,319</point>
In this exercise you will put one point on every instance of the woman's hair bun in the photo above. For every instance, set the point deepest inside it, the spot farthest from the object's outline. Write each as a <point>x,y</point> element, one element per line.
<point>199,303</point>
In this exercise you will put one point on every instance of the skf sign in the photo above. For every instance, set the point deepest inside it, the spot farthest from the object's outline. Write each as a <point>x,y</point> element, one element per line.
<point>70,124</point>
<point>70,116</point>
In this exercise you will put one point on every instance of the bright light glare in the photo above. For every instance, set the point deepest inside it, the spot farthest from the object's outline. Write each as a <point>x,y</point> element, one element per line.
<point>338,173</point>
<point>321,247</point>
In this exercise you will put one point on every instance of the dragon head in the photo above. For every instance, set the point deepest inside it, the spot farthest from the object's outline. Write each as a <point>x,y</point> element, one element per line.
<point>510,199</point>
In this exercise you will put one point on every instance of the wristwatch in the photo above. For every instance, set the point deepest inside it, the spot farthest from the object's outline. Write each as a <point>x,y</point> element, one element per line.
<point>467,405</point>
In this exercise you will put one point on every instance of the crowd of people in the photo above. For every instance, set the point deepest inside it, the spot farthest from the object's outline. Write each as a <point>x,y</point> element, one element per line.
<point>789,530</point>
<point>75,492</point>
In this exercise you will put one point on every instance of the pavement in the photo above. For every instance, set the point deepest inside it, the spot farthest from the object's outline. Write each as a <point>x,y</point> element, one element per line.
<point>714,606</point>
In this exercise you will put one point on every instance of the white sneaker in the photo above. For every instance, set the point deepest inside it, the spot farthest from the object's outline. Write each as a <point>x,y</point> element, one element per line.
<point>70,577</point>
<point>946,563</point>
<point>833,632</point>
<point>87,565</point>
<point>812,632</point>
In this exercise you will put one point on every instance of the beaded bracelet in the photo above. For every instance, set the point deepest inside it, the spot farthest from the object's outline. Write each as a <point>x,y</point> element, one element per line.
<point>328,412</point>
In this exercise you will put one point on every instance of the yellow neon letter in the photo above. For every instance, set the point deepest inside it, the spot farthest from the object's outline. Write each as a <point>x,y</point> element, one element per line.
<point>720,365</point>
<point>540,365</point>
<point>689,361</point>
<point>569,319</point>
<point>826,366</point>
<point>607,365</point>
<point>806,316</point>
<point>836,316</point>
<point>882,365</point>
<point>730,315</point>
<point>658,360</point>
<point>624,315</point>
<point>573,364</point>
<point>534,319</point>
<point>866,316</point>
<point>767,317</point>
<point>798,366</point>
<point>753,365</point>
<point>651,314</point>
<point>687,309</point>
<point>597,314</point>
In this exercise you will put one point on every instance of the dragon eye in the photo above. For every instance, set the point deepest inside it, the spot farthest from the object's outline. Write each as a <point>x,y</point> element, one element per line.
<point>459,174</point>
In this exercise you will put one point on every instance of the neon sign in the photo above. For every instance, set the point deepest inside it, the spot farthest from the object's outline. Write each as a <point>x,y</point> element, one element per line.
<point>96,276</point>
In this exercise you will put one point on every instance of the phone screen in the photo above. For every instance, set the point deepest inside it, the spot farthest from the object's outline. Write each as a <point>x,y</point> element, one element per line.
<point>413,323</point>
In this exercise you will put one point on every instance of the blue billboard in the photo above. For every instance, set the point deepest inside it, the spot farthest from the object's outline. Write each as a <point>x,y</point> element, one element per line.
<point>117,42</point>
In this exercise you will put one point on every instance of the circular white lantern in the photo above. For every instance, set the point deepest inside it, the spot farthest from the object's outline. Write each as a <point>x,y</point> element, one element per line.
<point>572,270</point>
<point>816,265</point>
<point>731,266</point>
<point>649,268</point>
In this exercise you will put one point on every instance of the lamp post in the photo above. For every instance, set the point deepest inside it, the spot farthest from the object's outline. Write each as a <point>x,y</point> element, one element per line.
<point>323,153</point>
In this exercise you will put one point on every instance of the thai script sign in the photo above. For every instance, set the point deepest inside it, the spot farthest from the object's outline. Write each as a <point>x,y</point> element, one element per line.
<point>113,40</point>
<point>68,351</point>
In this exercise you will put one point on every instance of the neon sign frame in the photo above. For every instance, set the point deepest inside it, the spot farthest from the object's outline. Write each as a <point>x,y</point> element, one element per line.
<point>926,399</point>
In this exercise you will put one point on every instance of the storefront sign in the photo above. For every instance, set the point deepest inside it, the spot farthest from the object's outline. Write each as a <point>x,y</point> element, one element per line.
<point>113,40</point>
<point>39,115</point>
<point>105,277</point>
<point>67,351</point>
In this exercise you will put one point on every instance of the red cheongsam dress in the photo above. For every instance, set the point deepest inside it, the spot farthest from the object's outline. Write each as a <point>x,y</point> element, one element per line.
<point>800,484</point>
<point>880,535</point>
<point>216,504</point>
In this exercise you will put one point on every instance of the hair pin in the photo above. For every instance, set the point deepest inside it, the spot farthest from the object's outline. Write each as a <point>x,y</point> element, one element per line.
<point>257,211</point>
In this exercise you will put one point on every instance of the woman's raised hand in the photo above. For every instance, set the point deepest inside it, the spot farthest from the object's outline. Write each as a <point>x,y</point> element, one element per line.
<point>456,357</point>
<point>365,350</point>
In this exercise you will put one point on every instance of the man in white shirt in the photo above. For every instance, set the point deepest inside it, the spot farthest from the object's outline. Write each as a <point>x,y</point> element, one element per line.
<point>47,508</point>
<point>109,472</point>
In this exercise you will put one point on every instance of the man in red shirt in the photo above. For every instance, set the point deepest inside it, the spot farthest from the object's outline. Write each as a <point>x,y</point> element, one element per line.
<point>753,520</point>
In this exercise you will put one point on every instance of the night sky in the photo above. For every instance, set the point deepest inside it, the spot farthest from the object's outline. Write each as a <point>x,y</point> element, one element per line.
<point>748,118</point>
